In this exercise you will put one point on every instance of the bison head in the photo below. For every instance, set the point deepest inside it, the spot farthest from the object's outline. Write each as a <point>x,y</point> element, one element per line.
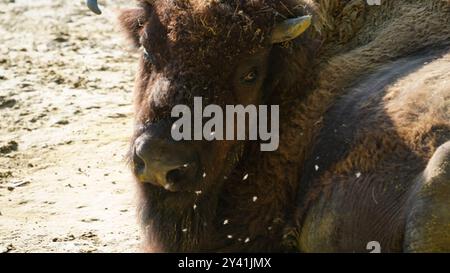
<point>217,50</point>
<point>228,53</point>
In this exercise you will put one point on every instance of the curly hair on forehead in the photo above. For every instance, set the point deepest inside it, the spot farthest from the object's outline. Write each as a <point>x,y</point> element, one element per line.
<point>278,5</point>
<point>203,27</point>
<point>246,13</point>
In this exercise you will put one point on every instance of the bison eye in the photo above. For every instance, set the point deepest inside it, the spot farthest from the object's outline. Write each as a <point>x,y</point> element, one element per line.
<point>250,77</point>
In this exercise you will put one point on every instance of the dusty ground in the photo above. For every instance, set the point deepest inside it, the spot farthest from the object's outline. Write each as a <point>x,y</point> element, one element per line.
<point>66,77</point>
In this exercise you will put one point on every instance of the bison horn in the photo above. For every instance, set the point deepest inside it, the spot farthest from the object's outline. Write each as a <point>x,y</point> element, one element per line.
<point>93,6</point>
<point>290,29</point>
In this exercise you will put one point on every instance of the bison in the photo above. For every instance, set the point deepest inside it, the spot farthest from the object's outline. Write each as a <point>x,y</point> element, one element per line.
<point>364,95</point>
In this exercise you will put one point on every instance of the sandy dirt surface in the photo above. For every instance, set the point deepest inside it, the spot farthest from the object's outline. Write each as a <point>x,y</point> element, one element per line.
<point>66,77</point>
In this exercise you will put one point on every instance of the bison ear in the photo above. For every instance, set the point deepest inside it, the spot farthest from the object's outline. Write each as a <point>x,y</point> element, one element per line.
<point>290,29</point>
<point>132,22</point>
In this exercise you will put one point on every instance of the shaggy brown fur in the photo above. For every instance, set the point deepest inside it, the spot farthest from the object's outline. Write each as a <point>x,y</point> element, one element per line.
<point>393,130</point>
<point>197,45</point>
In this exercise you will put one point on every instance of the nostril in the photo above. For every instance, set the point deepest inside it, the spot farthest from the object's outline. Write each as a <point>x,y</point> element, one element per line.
<point>139,164</point>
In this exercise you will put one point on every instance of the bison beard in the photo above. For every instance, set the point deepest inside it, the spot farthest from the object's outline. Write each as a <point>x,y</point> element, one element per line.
<point>172,225</point>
